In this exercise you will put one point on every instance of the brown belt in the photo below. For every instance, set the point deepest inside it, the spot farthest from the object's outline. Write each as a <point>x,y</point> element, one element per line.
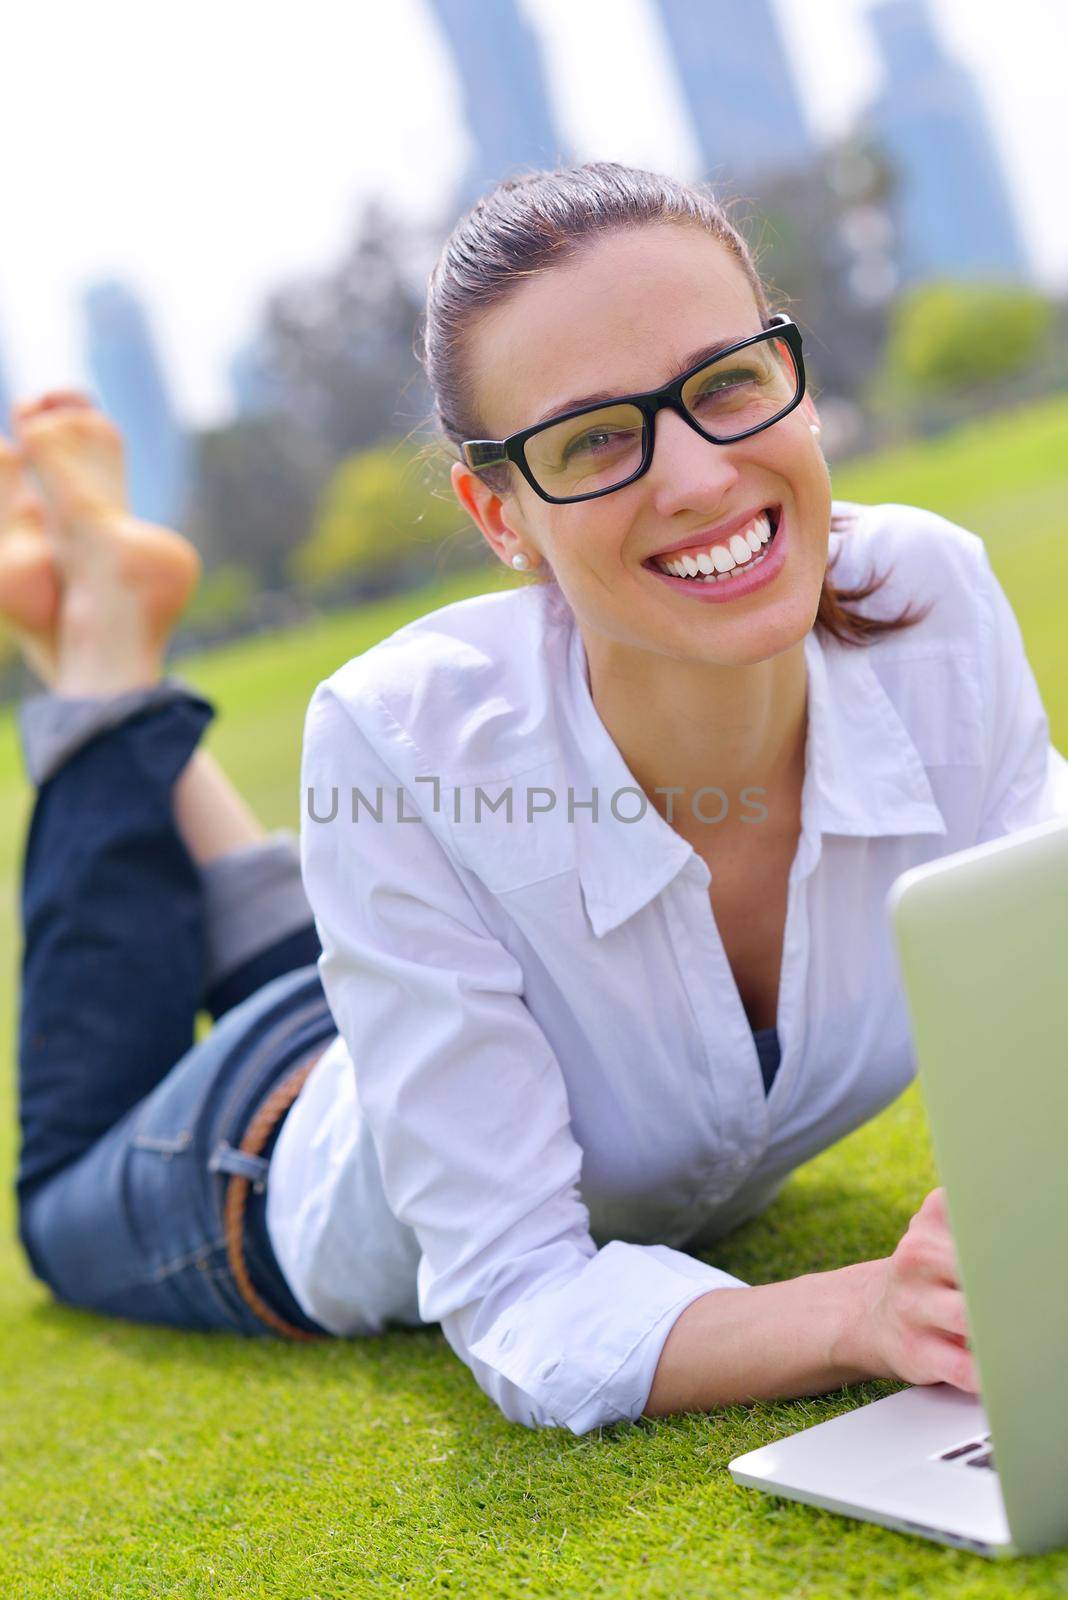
<point>259,1130</point>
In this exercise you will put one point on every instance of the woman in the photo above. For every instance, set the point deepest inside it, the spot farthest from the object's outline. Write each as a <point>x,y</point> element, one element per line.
<point>598,866</point>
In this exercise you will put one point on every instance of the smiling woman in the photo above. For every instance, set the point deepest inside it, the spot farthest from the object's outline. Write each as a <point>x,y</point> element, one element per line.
<point>557,1049</point>
<point>506,246</point>
<point>583,1040</point>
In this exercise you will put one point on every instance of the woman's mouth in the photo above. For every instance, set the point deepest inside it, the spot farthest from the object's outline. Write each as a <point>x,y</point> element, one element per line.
<point>721,569</point>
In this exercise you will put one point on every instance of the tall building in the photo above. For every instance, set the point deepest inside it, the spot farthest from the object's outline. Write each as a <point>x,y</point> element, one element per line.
<point>127,373</point>
<point>254,391</point>
<point>506,104</point>
<point>952,207</point>
<point>736,76</point>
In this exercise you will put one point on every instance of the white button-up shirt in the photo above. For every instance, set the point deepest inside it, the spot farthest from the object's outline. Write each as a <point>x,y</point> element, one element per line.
<point>545,1090</point>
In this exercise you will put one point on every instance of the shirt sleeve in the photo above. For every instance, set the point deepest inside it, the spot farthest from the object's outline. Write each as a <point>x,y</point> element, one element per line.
<point>1027,777</point>
<point>467,1104</point>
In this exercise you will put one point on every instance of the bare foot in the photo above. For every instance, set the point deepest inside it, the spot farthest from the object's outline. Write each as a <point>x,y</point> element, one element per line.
<point>29,589</point>
<point>123,582</point>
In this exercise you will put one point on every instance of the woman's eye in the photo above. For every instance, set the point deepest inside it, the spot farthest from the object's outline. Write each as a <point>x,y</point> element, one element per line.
<point>728,382</point>
<point>598,441</point>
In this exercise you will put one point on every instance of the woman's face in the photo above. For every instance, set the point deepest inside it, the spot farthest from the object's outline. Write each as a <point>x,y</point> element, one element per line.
<point>631,312</point>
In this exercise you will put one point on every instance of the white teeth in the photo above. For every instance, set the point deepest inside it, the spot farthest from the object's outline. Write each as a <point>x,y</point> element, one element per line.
<point>741,550</point>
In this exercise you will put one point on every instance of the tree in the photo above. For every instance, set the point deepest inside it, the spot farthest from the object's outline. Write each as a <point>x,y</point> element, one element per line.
<point>331,370</point>
<point>256,484</point>
<point>336,350</point>
<point>386,517</point>
<point>824,246</point>
<point>947,337</point>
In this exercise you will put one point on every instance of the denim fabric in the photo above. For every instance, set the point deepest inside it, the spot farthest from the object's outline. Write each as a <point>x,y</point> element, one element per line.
<point>253,896</point>
<point>126,1123</point>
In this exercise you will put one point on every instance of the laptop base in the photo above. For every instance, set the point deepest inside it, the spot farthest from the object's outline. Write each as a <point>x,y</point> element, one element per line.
<point>884,1463</point>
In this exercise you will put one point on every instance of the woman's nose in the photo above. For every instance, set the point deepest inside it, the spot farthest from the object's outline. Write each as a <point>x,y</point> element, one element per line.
<point>688,471</point>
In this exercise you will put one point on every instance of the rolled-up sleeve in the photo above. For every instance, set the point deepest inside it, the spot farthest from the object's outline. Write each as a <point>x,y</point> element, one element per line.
<point>1027,780</point>
<point>466,1101</point>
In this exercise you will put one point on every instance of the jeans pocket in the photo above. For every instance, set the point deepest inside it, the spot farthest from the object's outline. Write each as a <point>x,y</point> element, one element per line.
<point>195,1293</point>
<point>163,1144</point>
<point>123,1230</point>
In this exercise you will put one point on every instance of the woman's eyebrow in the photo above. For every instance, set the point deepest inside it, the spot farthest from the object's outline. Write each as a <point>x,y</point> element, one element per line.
<point>705,353</point>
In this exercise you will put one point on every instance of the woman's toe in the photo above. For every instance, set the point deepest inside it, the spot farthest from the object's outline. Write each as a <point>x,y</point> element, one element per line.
<point>10,475</point>
<point>52,400</point>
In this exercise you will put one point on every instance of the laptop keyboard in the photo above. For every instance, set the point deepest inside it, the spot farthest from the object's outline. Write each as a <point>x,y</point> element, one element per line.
<point>973,1453</point>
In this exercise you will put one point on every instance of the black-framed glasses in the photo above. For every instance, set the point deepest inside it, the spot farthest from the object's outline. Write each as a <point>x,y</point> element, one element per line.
<point>596,449</point>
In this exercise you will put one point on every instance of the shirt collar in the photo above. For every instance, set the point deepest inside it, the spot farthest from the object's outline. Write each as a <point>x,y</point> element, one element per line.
<point>868,778</point>
<point>863,777</point>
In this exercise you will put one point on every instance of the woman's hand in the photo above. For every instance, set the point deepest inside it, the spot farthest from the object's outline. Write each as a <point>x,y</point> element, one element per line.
<point>902,1317</point>
<point>913,1323</point>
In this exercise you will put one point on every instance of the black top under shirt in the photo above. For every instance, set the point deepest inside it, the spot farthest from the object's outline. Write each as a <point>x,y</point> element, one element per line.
<point>767,1044</point>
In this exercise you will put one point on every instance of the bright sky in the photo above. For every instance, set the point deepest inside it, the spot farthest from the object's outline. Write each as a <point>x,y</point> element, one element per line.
<point>206,152</point>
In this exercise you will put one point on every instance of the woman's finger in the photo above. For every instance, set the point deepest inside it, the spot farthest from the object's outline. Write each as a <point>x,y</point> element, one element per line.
<point>944,1311</point>
<point>927,1252</point>
<point>956,1365</point>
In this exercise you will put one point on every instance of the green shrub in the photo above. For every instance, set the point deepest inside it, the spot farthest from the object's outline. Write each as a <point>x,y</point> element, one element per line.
<point>224,599</point>
<point>947,337</point>
<point>384,513</point>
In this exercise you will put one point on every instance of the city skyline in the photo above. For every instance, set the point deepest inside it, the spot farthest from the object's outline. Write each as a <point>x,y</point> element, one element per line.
<point>952,203</point>
<point>203,215</point>
<point>507,109</point>
<point>125,369</point>
<point>740,87</point>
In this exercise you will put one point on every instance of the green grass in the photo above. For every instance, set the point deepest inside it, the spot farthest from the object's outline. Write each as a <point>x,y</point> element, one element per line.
<point>140,1462</point>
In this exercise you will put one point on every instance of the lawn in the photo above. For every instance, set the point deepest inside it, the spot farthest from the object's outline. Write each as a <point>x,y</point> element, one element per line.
<point>137,1462</point>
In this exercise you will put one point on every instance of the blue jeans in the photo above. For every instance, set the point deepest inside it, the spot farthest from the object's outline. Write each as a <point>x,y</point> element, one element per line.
<point>129,1128</point>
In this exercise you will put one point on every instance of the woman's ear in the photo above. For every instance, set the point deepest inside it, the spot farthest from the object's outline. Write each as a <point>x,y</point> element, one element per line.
<point>810,414</point>
<point>500,528</point>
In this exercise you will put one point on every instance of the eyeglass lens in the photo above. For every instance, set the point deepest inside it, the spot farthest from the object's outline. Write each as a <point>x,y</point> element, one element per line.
<point>601,449</point>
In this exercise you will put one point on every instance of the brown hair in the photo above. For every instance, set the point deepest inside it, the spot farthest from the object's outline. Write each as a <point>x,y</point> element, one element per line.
<point>532,222</point>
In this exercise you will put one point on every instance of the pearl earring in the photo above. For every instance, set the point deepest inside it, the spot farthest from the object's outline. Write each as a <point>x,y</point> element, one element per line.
<point>520,562</point>
<point>816,429</point>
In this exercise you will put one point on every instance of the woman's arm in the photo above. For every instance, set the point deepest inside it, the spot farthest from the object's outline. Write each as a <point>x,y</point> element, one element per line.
<point>902,1317</point>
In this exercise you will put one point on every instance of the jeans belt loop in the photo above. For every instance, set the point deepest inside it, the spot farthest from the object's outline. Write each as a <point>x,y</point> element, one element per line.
<point>238,1163</point>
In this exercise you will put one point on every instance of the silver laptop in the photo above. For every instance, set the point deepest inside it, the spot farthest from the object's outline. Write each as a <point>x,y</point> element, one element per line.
<point>982,938</point>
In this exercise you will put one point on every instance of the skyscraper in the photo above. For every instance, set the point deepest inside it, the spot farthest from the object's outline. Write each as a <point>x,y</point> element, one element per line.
<point>952,208</point>
<point>126,370</point>
<point>254,391</point>
<point>739,86</point>
<point>505,98</point>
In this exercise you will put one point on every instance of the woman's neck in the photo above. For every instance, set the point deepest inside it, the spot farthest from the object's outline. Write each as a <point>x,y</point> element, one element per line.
<point>690,726</point>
